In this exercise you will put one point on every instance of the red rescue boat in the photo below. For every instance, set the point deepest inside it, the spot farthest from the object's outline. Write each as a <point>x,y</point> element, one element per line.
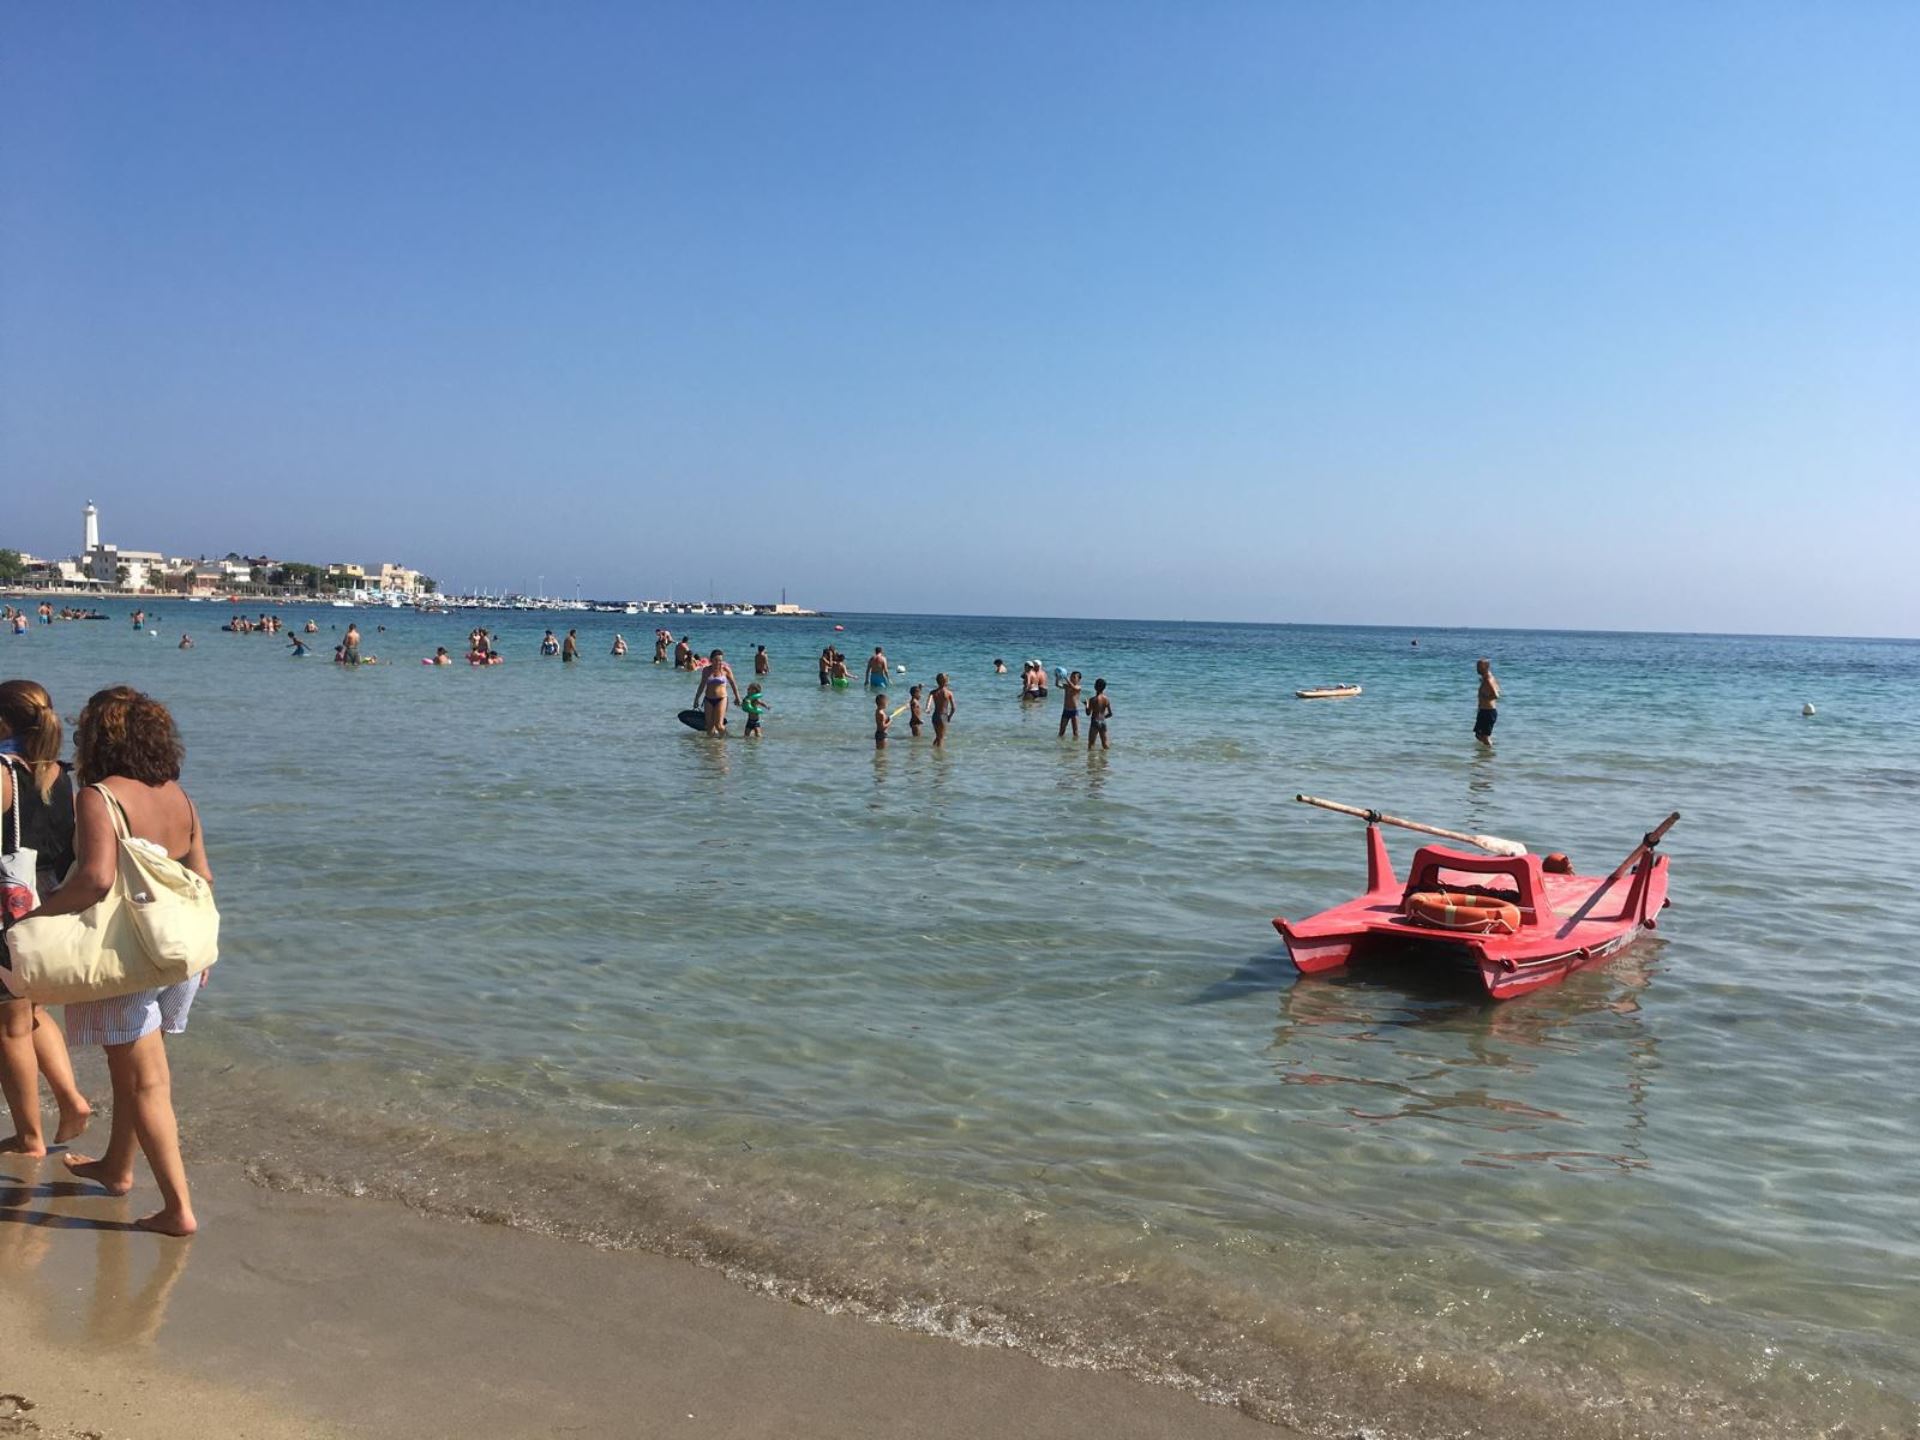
<point>1522,922</point>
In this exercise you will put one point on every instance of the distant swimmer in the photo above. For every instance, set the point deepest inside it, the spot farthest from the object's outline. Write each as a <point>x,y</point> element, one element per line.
<point>943,709</point>
<point>877,669</point>
<point>826,666</point>
<point>1099,712</point>
<point>299,648</point>
<point>619,645</point>
<point>570,651</point>
<point>549,644</point>
<point>661,639</point>
<point>441,657</point>
<point>1489,713</point>
<point>683,654</point>
<point>1070,705</point>
<point>186,642</point>
<point>837,671</point>
<point>312,628</point>
<point>999,667</point>
<point>349,652</point>
<point>755,704</point>
<point>711,694</point>
<point>881,720</point>
<point>916,710</point>
<point>762,662</point>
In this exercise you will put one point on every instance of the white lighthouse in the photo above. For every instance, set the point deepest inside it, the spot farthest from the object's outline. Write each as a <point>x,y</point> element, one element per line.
<point>93,529</point>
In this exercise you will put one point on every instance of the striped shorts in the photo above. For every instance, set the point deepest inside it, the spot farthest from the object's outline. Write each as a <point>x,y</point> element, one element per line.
<point>125,1018</point>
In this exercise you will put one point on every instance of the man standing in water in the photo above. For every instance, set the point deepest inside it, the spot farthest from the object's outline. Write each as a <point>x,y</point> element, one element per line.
<point>570,651</point>
<point>877,670</point>
<point>1489,712</point>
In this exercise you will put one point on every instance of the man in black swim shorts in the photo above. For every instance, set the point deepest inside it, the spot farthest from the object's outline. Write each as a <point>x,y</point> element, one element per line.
<point>1489,712</point>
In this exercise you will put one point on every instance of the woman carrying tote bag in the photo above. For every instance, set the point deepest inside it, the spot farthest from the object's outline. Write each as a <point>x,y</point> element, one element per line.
<point>126,745</point>
<point>36,848</point>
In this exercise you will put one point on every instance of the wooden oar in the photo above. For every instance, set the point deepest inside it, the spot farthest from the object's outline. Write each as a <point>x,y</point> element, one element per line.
<point>1491,843</point>
<point>1651,839</point>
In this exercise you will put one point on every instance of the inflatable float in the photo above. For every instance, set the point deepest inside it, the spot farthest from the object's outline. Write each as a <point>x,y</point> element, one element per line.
<point>1328,692</point>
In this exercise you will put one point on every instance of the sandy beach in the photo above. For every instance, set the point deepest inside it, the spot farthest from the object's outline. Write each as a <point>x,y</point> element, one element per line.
<point>303,1315</point>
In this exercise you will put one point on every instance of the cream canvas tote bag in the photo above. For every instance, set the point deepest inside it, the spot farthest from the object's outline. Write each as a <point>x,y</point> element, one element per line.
<point>155,927</point>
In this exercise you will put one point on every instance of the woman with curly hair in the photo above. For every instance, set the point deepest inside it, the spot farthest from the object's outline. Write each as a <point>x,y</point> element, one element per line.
<point>35,786</point>
<point>127,755</point>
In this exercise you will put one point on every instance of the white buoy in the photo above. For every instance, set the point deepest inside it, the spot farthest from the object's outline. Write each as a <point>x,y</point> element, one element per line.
<point>1807,709</point>
<point>154,633</point>
<point>901,669</point>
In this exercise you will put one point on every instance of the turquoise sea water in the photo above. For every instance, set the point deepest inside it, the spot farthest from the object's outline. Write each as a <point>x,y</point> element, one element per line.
<point>1000,1042</point>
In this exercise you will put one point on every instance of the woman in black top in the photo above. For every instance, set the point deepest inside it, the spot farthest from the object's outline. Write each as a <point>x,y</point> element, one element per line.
<point>31,1045</point>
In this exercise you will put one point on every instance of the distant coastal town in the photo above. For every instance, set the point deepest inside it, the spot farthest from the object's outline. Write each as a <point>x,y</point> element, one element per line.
<point>106,569</point>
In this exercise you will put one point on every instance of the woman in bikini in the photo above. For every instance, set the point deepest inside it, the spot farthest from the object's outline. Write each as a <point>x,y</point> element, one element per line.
<point>716,679</point>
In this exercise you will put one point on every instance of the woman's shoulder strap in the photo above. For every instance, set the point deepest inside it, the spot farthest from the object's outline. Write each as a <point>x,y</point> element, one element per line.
<point>115,809</point>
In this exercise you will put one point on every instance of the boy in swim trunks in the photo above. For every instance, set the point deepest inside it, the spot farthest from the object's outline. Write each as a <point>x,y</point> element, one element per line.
<point>881,720</point>
<point>914,711</point>
<point>1070,705</point>
<point>943,708</point>
<point>1099,711</point>
<point>1489,712</point>
<point>755,705</point>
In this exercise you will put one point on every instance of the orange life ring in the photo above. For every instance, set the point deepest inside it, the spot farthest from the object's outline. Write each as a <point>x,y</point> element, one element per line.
<point>1449,910</point>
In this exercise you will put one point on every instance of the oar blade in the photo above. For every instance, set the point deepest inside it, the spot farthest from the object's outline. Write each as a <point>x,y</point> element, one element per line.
<point>1494,845</point>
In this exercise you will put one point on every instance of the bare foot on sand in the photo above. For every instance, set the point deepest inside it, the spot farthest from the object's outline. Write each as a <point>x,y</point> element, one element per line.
<point>96,1171</point>
<point>178,1223</point>
<point>14,1145</point>
<point>72,1123</point>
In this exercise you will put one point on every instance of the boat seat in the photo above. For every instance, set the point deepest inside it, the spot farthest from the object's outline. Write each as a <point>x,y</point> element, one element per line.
<point>1433,862</point>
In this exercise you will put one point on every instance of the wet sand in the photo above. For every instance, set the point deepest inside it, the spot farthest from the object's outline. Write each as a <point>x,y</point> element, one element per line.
<point>304,1315</point>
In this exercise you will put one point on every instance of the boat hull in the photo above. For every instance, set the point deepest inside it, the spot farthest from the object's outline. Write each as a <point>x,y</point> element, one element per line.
<point>1570,922</point>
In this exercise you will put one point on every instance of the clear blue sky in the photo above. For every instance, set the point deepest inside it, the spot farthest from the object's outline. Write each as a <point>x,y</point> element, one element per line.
<point>1528,314</point>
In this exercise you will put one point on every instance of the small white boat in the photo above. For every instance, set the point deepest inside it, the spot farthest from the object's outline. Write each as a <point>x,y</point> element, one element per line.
<point>1329,692</point>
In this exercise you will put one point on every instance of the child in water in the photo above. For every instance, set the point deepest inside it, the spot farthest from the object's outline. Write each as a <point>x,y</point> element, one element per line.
<point>914,704</point>
<point>943,708</point>
<point>1070,705</point>
<point>881,720</point>
<point>755,705</point>
<point>1099,711</point>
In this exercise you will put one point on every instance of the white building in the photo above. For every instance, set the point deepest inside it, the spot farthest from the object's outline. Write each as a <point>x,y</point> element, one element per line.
<point>105,564</point>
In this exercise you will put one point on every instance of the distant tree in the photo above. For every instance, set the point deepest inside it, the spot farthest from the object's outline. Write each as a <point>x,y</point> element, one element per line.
<point>429,585</point>
<point>12,567</point>
<point>295,575</point>
<point>121,574</point>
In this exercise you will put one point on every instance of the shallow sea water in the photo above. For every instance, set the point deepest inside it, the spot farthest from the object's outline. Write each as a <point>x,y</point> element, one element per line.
<point>1000,1042</point>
